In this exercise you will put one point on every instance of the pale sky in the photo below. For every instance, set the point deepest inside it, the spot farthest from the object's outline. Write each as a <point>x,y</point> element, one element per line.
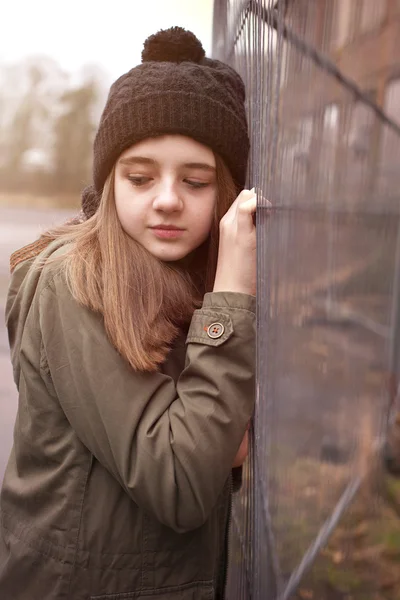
<point>107,33</point>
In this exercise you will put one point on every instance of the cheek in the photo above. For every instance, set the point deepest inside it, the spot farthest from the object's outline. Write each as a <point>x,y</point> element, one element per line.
<point>203,216</point>
<point>128,210</point>
<point>119,198</point>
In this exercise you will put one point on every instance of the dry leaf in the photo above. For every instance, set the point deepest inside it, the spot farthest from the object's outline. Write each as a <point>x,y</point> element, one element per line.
<point>305,594</point>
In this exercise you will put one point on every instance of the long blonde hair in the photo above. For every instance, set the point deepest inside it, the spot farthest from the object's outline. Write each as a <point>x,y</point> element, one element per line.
<point>145,302</point>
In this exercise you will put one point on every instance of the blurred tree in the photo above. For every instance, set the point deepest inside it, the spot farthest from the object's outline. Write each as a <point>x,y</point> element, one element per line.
<point>30,89</point>
<point>47,124</point>
<point>21,127</point>
<point>73,137</point>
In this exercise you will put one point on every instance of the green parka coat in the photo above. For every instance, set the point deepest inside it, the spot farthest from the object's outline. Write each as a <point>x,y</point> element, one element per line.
<point>119,482</point>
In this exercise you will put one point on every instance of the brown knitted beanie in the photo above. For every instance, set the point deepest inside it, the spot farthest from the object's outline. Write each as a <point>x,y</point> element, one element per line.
<point>178,90</point>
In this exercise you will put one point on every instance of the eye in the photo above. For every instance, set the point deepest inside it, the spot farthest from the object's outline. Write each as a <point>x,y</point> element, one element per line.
<point>195,184</point>
<point>138,180</point>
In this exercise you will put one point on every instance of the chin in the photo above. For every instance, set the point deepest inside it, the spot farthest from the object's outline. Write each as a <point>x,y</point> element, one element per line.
<point>170,256</point>
<point>171,253</point>
<point>172,259</point>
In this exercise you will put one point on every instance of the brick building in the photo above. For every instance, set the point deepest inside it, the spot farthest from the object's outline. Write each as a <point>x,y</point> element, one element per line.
<point>324,123</point>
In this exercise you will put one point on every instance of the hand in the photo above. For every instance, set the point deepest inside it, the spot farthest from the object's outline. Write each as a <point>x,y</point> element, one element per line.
<point>243,451</point>
<point>236,267</point>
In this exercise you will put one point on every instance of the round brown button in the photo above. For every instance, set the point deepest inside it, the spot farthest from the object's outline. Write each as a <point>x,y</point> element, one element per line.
<point>215,330</point>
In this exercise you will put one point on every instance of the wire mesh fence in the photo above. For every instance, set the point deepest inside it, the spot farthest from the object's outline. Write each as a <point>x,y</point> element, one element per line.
<point>318,517</point>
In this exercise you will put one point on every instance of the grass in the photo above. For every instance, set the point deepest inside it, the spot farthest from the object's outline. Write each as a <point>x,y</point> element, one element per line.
<point>361,561</point>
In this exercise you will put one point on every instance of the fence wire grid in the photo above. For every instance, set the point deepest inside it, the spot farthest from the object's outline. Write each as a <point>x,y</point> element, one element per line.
<point>317,516</point>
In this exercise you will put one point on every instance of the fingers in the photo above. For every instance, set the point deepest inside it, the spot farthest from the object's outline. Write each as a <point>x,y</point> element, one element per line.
<point>249,206</point>
<point>244,196</point>
<point>247,198</point>
<point>262,200</point>
<point>246,210</point>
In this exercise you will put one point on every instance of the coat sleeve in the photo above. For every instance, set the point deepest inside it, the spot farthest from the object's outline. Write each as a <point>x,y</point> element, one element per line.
<point>170,446</point>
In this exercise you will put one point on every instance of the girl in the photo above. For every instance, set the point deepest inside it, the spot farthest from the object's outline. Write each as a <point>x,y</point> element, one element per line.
<point>132,339</point>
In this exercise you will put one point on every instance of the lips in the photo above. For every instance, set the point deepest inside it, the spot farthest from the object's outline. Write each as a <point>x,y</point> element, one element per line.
<point>167,231</point>
<point>167,227</point>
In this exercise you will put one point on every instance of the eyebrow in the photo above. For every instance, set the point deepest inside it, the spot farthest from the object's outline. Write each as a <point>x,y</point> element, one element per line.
<point>202,166</point>
<point>143,160</point>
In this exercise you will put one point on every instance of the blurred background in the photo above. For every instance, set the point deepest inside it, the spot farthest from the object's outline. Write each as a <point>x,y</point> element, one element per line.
<point>331,257</point>
<point>57,63</point>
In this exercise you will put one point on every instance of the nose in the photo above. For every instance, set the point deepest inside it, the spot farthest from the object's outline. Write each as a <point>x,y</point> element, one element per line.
<point>167,198</point>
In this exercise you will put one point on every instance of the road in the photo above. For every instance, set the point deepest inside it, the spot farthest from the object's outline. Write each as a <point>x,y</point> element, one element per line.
<point>18,227</point>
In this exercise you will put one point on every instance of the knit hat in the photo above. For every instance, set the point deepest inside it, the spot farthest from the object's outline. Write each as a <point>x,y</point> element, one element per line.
<point>177,90</point>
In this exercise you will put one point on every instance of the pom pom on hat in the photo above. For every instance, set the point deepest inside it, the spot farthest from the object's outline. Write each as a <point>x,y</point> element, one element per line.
<point>173,45</point>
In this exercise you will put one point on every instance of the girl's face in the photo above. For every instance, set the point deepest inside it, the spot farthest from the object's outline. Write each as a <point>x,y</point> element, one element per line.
<point>165,194</point>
